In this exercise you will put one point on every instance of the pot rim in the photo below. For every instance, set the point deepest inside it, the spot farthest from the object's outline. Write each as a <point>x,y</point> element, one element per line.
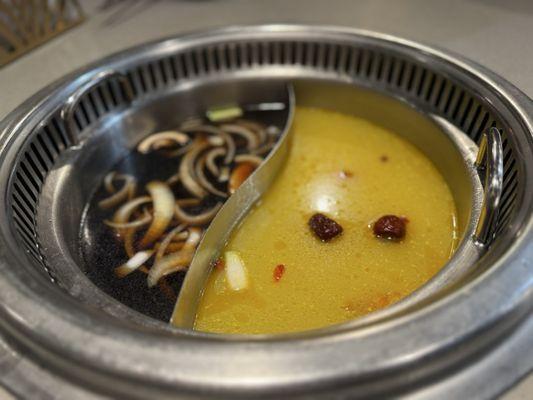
<point>50,325</point>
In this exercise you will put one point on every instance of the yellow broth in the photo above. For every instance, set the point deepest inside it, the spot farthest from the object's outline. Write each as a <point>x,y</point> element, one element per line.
<point>354,172</point>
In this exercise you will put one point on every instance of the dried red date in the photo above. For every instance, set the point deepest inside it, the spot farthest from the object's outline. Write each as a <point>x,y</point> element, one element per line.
<point>390,227</point>
<point>278,272</point>
<point>323,227</point>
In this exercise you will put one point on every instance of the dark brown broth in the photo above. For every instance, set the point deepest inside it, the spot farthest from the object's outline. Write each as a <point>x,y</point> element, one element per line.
<point>102,252</point>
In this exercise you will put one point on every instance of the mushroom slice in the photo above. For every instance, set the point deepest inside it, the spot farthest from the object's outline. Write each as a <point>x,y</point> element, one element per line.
<point>161,140</point>
<point>199,219</point>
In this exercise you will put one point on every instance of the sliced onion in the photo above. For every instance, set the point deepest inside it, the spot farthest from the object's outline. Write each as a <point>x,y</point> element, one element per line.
<point>168,264</point>
<point>191,123</point>
<point>162,139</point>
<point>188,202</point>
<point>178,152</point>
<point>129,236</point>
<point>174,246</point>
<point>163,200</point>
<point>108,182</point>
<point>251,158</point>
<point>138,223</point>
<point>264,148</point>
<point>236,274</point>
<point>250,136</point>
<point>186,170</point>
<point>224,174</point>
<point>258,128</point>
<point>195,234</point>
<point>239,174</point>
<point>215,141</point>
<point>133,263</point>
<point>210,158</point>
<point>127,190</point>
<point>123,214</point>
<point>199,219</point>
<point>181,236</point>
<point>202,179</point>
<point>162,144</point>
<point>175,262</point>
<point>230,146</point>
<point>166,241</point>
<point>173,179</point>
<point>213,130</point>
<point>273,130</point>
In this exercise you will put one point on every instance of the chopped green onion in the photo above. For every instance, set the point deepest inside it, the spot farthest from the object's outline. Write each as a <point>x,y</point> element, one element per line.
<point>224,113</point>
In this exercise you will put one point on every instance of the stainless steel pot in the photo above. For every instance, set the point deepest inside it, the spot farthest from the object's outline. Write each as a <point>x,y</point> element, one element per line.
<point>468,333</point>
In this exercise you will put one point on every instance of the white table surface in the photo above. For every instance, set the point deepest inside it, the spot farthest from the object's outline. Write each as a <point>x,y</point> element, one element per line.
<point>495,33</point>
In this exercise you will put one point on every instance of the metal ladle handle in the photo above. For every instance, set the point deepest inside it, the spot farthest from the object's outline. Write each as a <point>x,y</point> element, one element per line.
<point>489,164</point>
<point>67,112</point>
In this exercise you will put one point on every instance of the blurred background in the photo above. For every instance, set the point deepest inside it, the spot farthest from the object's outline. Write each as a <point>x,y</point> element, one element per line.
<point>495,33</point>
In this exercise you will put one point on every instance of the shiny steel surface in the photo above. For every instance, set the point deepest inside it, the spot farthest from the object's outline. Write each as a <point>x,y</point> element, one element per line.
<point>490,162</point>
<point>67,112</point>
<point>447,344</point>
<point>231,214</point>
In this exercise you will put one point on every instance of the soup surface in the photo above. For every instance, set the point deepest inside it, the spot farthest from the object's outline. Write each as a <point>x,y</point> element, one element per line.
<point>353,172</point>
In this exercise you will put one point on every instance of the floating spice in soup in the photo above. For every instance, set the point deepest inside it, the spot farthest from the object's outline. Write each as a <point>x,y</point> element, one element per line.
<point>353,174</point>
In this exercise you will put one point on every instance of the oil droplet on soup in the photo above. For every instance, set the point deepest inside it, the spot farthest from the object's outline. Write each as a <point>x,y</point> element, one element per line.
<point>354,172</point>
